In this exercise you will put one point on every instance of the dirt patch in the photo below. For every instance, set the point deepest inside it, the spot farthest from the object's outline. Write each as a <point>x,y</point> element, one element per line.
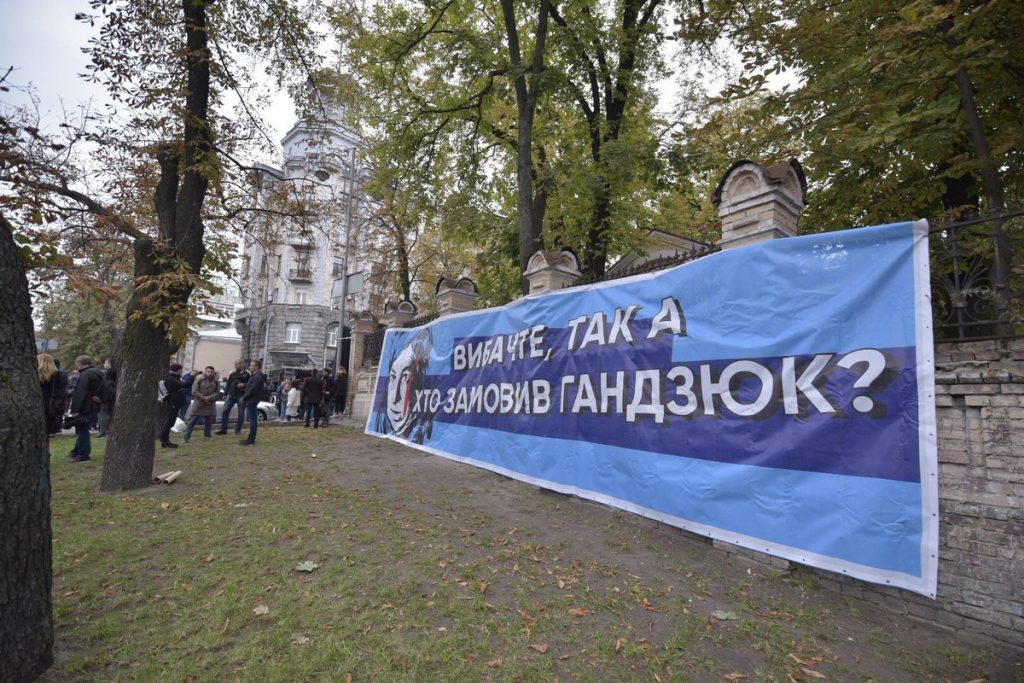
<point>744,619</point>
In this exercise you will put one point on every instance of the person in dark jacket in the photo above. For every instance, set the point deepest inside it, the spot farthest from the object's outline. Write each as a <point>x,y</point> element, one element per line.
<point>233,393</point>
<point>106,417</point>
<point>85,403</point>
<point>54,384</point>
<point>173,402</point>
<point>253,391</point>
<point>188,379</point>
<point>327,406</point>
<point>312,398</point>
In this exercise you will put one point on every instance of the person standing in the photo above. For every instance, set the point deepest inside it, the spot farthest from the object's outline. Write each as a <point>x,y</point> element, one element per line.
<point>312,397</point>
<point>294,401</point>
<point>234,392</point>
<point>173,403</point>
<point>54,384</point>
<point>327,406</point>
<point>253,391</point>
<point>187,379</point>
<point>106,418</point>
<point>85,402</point>
<point>205,392</point>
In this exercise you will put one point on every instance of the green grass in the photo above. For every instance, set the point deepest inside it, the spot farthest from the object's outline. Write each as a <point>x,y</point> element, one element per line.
<point>415,581</point>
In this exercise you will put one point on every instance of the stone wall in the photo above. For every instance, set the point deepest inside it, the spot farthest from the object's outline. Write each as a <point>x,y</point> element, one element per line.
<point>980,415</point>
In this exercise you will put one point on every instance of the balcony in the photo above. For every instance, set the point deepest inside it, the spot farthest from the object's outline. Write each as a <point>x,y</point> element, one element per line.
<point>300,274</point>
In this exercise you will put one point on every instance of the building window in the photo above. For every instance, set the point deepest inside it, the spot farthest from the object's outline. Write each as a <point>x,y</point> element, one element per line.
<point>292,333</point>
<point>332,337</point>
<point>302,296</point>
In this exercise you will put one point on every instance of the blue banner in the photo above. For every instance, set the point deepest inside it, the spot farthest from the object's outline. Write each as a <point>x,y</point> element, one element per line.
<point>778,396</point>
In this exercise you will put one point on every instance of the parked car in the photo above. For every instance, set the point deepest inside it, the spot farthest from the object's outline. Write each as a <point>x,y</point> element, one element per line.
<point>265,410</point>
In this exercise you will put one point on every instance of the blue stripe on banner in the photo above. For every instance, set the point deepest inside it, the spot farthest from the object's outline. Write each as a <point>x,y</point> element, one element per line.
<point>819,513</point>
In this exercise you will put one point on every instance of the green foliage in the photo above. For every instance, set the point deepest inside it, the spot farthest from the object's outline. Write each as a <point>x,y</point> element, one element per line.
<point>877,112</point>
<point>439,87</point>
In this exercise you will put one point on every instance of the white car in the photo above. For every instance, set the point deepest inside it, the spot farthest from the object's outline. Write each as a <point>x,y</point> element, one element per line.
<point>265,410</point>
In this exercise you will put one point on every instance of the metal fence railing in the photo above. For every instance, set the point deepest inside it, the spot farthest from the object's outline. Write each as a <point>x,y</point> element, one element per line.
<point>977,292</point>
<point>373,343</point>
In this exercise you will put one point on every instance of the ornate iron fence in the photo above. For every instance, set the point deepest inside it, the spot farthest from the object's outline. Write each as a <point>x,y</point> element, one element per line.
<point>373,343</point>
<point>977,291</point>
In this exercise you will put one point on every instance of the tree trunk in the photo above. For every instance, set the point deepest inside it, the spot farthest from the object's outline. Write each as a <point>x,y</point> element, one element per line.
<point>531,220</point>
<point>992,184</point>
<point>26,575</point>
<point>178,199</point>
<point>144,352</point>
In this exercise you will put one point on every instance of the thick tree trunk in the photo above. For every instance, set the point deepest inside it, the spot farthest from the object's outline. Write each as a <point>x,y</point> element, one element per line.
<point>26,606</point>
<point>144,352</point>
<point>178,201</point>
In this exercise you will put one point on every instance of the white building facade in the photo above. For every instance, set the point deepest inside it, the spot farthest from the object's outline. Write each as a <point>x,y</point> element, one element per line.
<point>292,269</point>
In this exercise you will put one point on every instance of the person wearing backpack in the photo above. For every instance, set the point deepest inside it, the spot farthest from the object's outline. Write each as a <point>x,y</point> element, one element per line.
<point>85,403</point>
<point>172,403</point>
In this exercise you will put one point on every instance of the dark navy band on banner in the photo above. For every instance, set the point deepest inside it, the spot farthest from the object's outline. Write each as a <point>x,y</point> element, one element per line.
<point>796,419</point>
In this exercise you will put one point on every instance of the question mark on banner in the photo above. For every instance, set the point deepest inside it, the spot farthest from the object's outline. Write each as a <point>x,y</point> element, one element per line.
<point>875,360</point>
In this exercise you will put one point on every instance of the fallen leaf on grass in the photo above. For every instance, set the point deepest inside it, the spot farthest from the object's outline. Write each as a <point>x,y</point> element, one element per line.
<point>494,663</point>
<point>210,558</point>
<point>561,583</point>
<point>805,662</point>
<point>580,611</point>
<point>724,615</point>
<point>619,642</point>
<point>527,617</point>
<point>348,678</point>
<point>306,566</point>
<point>735,676</point>
<point>539,647</point>
<point>299,639</point>
<point>483,587</point>
<point>648,606</point>
<point>260,609</point>
<point>442,564</point>
<point>811,672</point>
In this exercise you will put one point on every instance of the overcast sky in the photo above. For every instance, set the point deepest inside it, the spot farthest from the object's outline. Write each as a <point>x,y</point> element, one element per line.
<point>43,42</point>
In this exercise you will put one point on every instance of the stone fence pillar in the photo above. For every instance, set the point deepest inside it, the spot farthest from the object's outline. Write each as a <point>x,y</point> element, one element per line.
<point>360,379</point>
<point>455,296</point>
<point>758,203</point>
<point>549,270</point>
<point>398,313</point>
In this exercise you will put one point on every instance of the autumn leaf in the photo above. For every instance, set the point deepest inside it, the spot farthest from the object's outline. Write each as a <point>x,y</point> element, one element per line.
<point>483,587</point>
<point>210,558</point>
<point>580,611</point>
<point>811,672</point>
<point>442,564</point>
<point>539,647</point>
<point>260,609</point>
<point>735,676</point>
<point>724,615</point>
<point>494,663</point>
<point>619,642</point>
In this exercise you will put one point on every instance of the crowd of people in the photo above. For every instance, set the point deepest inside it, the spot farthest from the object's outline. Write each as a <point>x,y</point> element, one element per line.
<point>85,398</point>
